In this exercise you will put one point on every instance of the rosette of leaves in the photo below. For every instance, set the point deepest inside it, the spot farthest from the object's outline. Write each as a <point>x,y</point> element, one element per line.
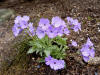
<point>55,47</point>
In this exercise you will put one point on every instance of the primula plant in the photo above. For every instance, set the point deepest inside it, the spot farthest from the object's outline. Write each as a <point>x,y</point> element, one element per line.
<point>47,39</point>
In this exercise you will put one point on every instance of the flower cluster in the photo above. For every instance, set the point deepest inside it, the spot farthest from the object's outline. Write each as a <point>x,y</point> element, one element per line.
<point>54,63</point>
<point>57,27</point>
<point>50,29</point>
<point>22,23</point>
<point>87,50</point>
<point>76,26</point>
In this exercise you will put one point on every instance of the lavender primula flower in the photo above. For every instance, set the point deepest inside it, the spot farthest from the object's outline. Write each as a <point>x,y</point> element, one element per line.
<point>40,33</point>
<point>48,60</point>
<point>77,27</point>
<point>89,43</point>
<point>16,30</point>
<point>23,24</point>
<point>70,20</point>
<point>51,32</point>
<point>57,21</point>
<point>22,21</point>
<point>88,54</point>
<point>44,23</point>
<point>54,63</point>
<point>86,59</point>
<point>66,31</point>
<point>19,19</point>
<point>88,51</point>
<point>84,48</point>
<point>75,22</point>
<point>61,64</point>
<point>59,30</point>
<point>25,18</point>
<point>74,43</point>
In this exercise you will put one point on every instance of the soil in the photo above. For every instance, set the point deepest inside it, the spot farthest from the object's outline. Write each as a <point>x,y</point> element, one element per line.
<point>86,11</point>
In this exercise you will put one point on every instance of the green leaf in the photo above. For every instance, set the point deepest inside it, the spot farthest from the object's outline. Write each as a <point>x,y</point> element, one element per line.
<point>60,41</point>
<point>38,44</point>
<point>37,51</point>
<point>31,43</point>
<point>53,47</point>
<point>47,52</point>
<point>65,47</point>
<point>41,53</point>
<point>58,54</point>
<point>31,50</point>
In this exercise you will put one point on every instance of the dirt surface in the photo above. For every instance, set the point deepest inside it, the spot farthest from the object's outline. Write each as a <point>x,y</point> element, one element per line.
<point>86,11</point>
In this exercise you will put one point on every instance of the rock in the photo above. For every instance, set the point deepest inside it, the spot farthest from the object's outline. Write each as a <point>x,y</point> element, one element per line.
<point>10,47</point>
<point>94,61</point>
<point>98,25</point>
<point>5,14</point>
<point>8,51</point>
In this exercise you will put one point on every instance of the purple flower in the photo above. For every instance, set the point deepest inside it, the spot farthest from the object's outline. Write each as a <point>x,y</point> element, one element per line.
<point>88,54</point>
<point>86,59</point>
<point>54,63</point>
<point>70,20</point>
<point>59,30</point>
<point>22,21</point>
<point>61,64</point>
<point>84,47</point>
<point>89,43</point>
<point>48,60</point>
<point>87,51</point>
<point>44,23</point>
<point>40,33</point>
<point>75,22</point>
<point>51,32</point>
<point>31,29</point>
<point>76,25</point>
<point>26,18</point>
<point>23,24</point>
<point>57,21</point>
<point>19,19</point>
<point>74,43</point>
<point>16,30</point>
<point>66,31</point>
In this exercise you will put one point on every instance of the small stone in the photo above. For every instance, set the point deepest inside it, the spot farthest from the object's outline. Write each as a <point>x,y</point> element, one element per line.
<point>99,30</point>
<point>38,66</point>
<point>94,61</point>
<point>98,24</point>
